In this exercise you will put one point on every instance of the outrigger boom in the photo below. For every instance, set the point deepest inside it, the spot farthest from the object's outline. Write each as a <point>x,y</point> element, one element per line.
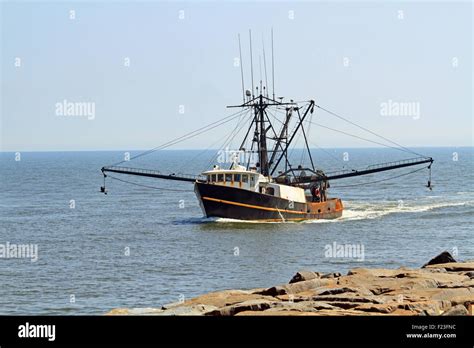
<point>297,180</point>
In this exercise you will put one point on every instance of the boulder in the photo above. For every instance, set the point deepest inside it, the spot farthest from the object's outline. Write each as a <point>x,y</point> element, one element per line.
<point>331,275</point>
<point>444,257</point>
<point>251,305</point>
<point>182,310</point>
<point>430,307</point>
<point>303,306</point>
<point>457,310</point>
<point>295,288</point>
<point>304,275</point>
<point>225,298</point>
<point>279,312</point>
<point>194,309</point>
<point>469,274</point>
<point>135,311</point>
<point>383,308</point>
<point>346,297</point>
<point>455,267</point>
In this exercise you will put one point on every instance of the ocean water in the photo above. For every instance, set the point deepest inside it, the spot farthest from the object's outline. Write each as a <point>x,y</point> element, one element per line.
<point>144,247</point>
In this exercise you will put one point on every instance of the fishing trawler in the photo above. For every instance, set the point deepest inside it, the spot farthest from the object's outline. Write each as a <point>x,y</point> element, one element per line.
<point>272,188</point>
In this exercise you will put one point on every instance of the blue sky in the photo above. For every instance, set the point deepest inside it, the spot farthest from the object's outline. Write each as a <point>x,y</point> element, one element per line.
<point>423,58</point>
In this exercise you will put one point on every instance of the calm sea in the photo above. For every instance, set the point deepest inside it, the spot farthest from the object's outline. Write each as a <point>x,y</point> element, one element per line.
<point>143,247</point>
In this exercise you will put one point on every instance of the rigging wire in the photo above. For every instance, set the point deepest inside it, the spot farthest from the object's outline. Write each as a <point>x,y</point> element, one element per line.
<point>229,139</point>
<point>377,181</point>
<point>368,130</point>
<point>244,112</point>
<point>332,156</point>
<point>147,186</point>
<point>361,138</point>
<point>397,147</point>
<point>187,135</point>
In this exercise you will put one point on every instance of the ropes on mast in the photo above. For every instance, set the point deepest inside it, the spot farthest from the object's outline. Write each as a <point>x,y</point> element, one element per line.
<point>368,130</point>
<point>187,135</point>
<point>386,179</point>
<point>146,186</point>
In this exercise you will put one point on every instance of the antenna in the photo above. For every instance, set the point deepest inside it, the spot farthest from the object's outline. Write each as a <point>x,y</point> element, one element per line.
<point>241,71</point>
<point>265,65</point>
<point>251,60</point>
<point>273,70</point>
<point>260,65</point>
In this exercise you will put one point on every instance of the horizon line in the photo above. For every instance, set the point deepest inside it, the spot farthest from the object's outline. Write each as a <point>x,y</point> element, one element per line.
<point>203,149</point>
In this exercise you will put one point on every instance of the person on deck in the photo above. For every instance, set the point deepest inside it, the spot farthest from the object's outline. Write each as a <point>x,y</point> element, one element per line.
<point>315,192</point>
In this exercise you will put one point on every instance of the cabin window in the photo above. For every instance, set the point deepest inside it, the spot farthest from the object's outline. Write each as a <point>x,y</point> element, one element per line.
<point>245,178</point>
<point>220,177</point>
<point>228,177</point>
<point>270,191</point>
<point>213,178</point>
<point>252,180</point>
<point>237,177</point>
<point>209,178</point>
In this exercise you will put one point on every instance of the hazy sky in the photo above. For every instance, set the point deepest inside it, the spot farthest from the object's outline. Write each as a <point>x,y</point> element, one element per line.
<point>155,70</point>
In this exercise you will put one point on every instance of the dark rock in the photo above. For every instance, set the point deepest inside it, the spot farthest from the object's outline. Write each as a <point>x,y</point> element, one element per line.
<point>304,275</point>
<point>456,310</point>
<point>345,305</point>
<point>331,275</point>
<point>335,291</point>
<point>295,288</point>
<point>444,257</point>
<point>303,306</point>
<point>376,308</point>
<point>347,298</point>
<point>251,305</point>
<point>470,274</point>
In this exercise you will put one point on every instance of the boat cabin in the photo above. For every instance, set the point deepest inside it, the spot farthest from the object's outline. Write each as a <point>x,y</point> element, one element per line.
<point>239,177</point>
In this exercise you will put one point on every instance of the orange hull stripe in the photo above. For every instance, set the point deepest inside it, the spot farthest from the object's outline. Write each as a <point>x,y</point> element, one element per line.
<point>253,206</point>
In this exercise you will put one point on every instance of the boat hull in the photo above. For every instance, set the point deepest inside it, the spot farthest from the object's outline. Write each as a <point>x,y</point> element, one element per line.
<point>235,203</point>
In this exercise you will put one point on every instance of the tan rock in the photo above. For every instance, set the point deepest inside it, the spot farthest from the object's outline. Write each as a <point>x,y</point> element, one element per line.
<point>456,310</point>
<point>347,297</point>
<point>382,308</point>
<point>276,313</point>
<point>380,285</point>
<point>455,266</point>
<point>430,307</point>
<point>303,306</point>
<point>464,300</point>
<point>135,311</point>
<point>304,275</point>
<point>295,288</point>
<point>250,305</point>
<point>225,298</point>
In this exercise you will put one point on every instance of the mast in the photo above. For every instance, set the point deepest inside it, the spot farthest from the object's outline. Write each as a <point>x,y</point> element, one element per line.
<point>262,154</point>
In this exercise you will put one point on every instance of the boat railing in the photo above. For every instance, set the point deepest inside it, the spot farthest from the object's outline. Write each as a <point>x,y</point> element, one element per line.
<point>375,166</point>
<point>129,170</point>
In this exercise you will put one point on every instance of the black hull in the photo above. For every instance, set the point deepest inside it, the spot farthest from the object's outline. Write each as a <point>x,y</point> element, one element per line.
<point>234,203</point>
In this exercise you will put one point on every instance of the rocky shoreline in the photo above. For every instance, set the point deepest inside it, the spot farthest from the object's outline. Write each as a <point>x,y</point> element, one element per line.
<point>441,287</point>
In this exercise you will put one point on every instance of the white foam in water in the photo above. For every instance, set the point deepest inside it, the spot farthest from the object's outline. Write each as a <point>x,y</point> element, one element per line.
<point>367,211</point>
